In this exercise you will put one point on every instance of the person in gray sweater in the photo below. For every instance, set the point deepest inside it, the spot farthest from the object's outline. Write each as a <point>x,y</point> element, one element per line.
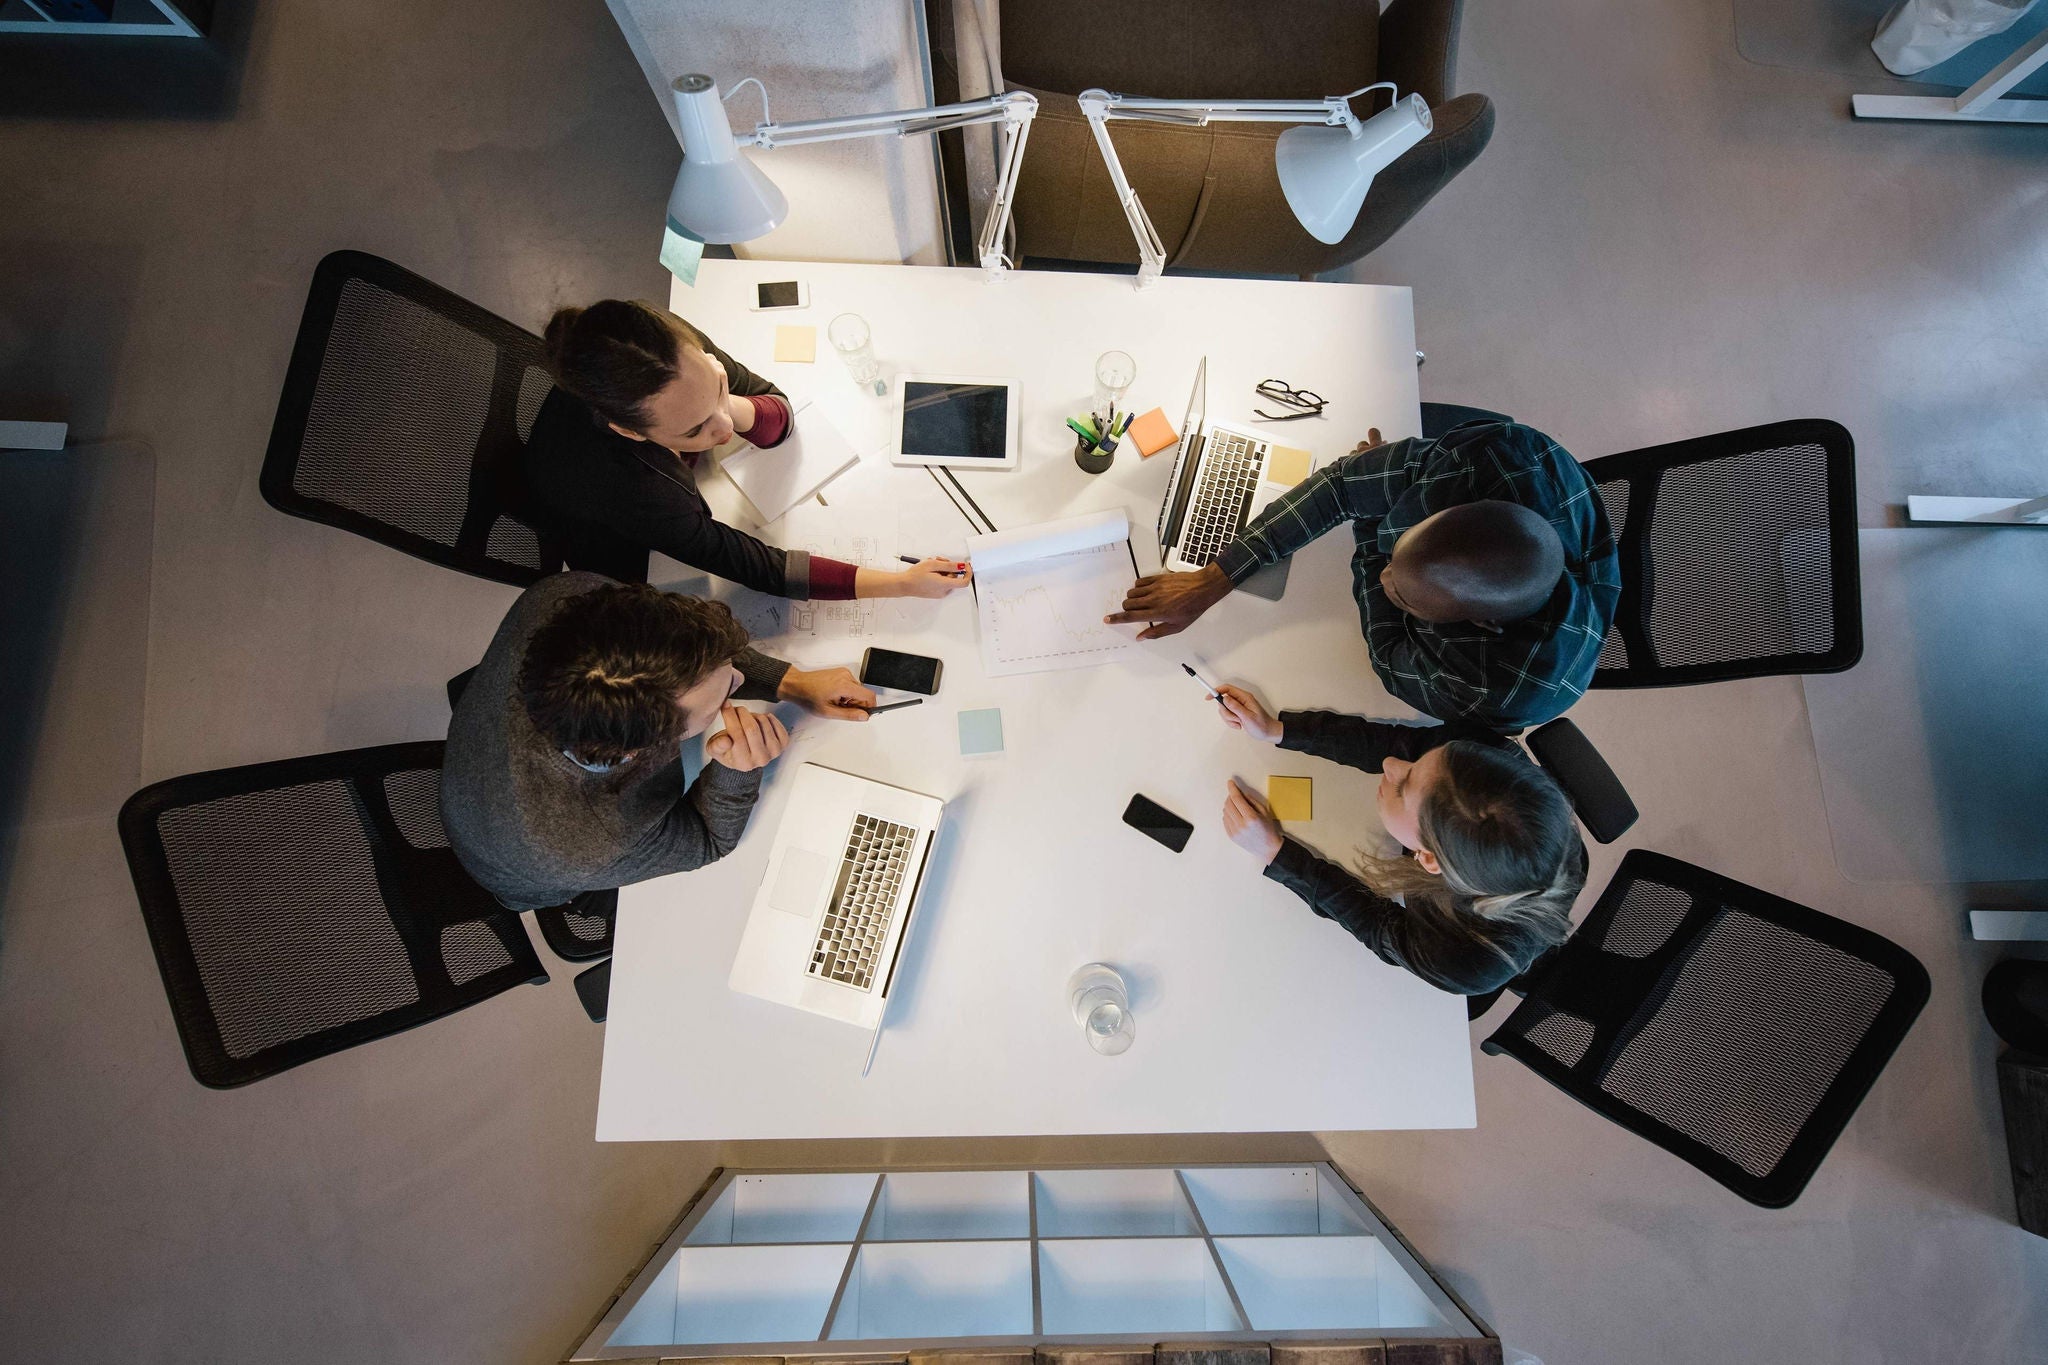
<point>563,771</point>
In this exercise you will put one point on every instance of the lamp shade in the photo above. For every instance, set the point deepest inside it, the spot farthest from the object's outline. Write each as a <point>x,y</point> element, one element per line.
<point>719,195</point>
<point>1325,171</point>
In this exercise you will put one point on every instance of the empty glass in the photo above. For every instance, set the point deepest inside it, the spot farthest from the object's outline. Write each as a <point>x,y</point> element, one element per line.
<point>1114,373</point>
<point>849,336</point>
<point>1102,1007</point>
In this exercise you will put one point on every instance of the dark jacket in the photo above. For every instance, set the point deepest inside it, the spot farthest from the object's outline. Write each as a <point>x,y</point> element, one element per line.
<point>600,488</point>
<point>535,827</point>
<point>1453,951</point>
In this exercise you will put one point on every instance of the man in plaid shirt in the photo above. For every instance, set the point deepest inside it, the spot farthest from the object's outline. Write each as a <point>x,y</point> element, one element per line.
<point>1485,573</point>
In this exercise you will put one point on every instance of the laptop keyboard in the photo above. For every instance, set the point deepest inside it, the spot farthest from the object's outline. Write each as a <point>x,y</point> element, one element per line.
<point>1223,498</point>
<point>857,921</point>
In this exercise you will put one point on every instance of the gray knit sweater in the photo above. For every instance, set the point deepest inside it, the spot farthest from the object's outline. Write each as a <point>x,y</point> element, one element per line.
<point>535,828</point>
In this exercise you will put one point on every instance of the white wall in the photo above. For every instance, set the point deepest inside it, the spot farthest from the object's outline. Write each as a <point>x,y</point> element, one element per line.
<point>875,199</point>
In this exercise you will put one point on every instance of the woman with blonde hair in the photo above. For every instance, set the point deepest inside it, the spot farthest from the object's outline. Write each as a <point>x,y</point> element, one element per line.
<point>1491,861</point>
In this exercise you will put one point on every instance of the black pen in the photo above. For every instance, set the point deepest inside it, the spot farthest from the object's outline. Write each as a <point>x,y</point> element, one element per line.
<point>895,706</point>
<point>1215,695</point>
<point>955,572</point>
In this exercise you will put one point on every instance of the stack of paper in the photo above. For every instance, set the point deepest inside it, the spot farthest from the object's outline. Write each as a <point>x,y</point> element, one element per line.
<point>811,456</point>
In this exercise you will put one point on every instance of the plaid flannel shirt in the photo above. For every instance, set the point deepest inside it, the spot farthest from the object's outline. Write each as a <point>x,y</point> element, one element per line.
<point>1518,674</point>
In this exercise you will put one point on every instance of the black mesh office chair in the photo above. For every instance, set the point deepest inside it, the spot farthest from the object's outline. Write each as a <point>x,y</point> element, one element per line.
<point>402,416</point>
<point>1738,556</point>
<point>1734,1029</point>
<point>302,907</point>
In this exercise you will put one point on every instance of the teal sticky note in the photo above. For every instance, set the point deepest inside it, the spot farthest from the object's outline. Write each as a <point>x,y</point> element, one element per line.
<point>681,254</point>
<point>981,732</point>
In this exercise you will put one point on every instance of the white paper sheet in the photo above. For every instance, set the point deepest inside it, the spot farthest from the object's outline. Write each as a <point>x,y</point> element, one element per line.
<point>811,456</point>
<point>1043,591</point>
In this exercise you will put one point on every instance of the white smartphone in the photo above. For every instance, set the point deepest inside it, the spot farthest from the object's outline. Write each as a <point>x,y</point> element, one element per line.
<point>770,295</point>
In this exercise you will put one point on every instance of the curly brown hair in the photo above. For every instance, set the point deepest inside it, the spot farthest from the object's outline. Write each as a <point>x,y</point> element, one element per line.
<point>601,675</point>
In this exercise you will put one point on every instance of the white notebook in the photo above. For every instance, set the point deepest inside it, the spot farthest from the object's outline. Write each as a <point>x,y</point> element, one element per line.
<point>1043,590</point>
<point>811,456</point>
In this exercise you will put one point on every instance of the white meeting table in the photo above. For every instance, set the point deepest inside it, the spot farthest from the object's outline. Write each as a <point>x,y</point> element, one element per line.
<point>1252,1013</point>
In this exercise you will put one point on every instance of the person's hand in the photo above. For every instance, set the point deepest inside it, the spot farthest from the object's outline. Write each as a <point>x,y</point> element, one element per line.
<point>1171,602</point>
<point>1372,438</point>
<point>833,693</point>
<point>750,740</point>
<point>932,578</point>
<point>1250,824</point>
<point>1243,711</point>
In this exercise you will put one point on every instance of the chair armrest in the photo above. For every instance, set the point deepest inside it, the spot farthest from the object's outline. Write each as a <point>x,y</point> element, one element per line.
<point>1419,47</point>
<point>1597,795</point>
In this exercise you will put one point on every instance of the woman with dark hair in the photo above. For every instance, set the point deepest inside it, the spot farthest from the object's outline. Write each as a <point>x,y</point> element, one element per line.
<point>1492,859</point>
<point>639,396</point>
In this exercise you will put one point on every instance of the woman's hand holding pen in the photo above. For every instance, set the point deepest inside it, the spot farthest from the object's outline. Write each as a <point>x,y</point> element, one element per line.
<point>1243,711</point>
<point>933,577</point>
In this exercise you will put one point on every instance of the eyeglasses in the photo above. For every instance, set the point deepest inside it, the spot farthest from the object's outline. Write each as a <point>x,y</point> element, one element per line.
<point>1281,392</point>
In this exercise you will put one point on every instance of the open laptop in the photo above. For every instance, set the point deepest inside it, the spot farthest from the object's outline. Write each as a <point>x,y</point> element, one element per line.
<point>833,912</point>
<point>1218,485</point>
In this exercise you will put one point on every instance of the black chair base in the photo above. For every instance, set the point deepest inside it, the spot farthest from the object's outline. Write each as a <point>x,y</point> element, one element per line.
<point>594,989</point>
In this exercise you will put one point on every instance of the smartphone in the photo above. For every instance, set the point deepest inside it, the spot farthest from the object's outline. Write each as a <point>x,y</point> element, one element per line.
<point>904,672</point>
<point>772,294</point>
<point>1155,821</point>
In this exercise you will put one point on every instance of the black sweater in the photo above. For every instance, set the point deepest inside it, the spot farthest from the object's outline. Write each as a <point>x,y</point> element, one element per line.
<point>1451,950</point>
<point>601,487</point>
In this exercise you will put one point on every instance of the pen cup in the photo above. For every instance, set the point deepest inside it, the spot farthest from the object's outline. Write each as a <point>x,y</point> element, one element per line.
<point>1091,457</point>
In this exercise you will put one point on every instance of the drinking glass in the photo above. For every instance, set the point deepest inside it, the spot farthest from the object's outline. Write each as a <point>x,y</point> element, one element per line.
<point>1102,1007</point>
<point>1114,372</point>
<point>849,336</point>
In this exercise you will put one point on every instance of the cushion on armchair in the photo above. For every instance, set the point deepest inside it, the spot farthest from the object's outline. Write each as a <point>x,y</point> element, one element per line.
<point>1191,49</point>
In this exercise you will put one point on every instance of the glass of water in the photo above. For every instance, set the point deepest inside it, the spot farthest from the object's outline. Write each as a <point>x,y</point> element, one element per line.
<point>1114,373</point>
<point>849,336</point>
<point>1102,1007</point>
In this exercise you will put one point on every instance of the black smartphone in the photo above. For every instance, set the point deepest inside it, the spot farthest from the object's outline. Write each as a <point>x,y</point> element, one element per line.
<point>904,672</point>
<point>1150,818</point>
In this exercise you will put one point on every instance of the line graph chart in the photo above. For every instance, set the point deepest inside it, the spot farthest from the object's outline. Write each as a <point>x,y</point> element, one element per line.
<point>1051,616</point>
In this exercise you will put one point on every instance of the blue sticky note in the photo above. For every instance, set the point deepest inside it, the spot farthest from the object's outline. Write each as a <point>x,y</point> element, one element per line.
<point>681,254</point>
<point>981,732</point>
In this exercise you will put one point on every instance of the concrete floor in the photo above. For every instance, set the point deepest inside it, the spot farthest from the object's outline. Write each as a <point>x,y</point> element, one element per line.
<point>1663,240</point>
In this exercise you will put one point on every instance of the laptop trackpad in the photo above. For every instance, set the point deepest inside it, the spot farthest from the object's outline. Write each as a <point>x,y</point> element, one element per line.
<point>798,881</point>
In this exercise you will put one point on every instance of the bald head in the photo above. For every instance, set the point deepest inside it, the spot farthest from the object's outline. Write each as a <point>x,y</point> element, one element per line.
<point>1483,561</point>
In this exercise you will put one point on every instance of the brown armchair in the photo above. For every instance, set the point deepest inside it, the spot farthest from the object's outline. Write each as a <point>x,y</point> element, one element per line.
<point>1212,192</point>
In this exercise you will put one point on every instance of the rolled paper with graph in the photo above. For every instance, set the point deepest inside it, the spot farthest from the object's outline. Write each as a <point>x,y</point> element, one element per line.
<point>1042,591</point>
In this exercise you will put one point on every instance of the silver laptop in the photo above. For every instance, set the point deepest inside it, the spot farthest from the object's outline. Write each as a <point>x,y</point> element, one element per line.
<point>1218,485</point>
<point>833,912</point>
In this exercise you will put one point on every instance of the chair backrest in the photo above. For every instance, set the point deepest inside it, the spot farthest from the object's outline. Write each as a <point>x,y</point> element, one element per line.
<point>402,417</point>
<point>1738,556</point>
<point>1602,803</point>
<point>1731,1027</point>
<point>301,907</point>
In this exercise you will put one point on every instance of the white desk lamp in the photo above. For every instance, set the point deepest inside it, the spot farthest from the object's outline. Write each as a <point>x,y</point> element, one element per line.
<point>1324,171</point>
<point>720,196</point>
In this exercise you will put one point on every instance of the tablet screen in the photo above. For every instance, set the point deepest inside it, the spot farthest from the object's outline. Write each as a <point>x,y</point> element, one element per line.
<point>955,421</point>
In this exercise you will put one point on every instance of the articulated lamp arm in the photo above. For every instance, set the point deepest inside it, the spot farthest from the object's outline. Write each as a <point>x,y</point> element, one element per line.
<point>1333,111</point>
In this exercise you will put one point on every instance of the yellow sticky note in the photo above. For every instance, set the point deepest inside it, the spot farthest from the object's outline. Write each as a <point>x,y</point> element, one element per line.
<point>1287,465</point>
<point>799,346</point>
<point>1292,798</point>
